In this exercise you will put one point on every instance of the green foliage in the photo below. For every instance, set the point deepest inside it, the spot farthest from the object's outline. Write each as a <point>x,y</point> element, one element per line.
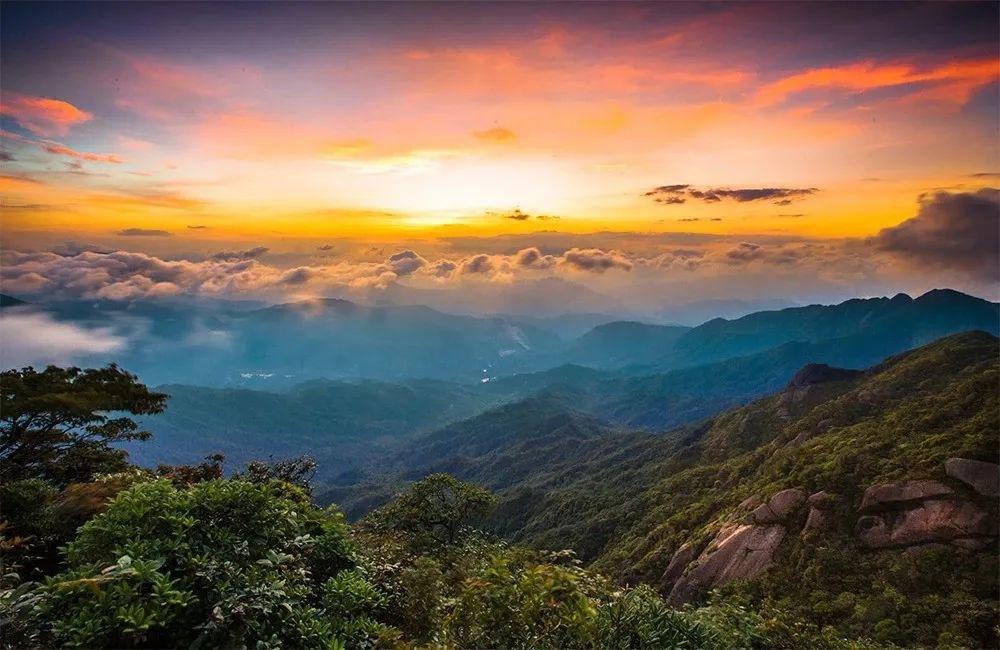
<point>220,563</point>
<point>436,512</point>
<point>53,423</point>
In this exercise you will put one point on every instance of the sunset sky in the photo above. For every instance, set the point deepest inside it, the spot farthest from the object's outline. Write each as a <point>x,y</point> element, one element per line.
<point>336,136</point>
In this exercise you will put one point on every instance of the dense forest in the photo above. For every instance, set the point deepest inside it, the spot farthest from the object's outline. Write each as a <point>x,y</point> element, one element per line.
<point>851,509</point>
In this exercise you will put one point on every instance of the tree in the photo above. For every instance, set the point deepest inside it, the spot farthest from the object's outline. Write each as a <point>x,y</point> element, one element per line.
<point>54,423</point>
<point>436,511</point>
<point>217,564</point>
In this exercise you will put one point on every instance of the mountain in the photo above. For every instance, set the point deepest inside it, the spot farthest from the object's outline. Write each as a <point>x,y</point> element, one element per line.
<point>906,321</point>
<point>697,312</point>
<point>621,343</point>
<point>10,301</point>
<point>342,424</point>
<point>879,486</point>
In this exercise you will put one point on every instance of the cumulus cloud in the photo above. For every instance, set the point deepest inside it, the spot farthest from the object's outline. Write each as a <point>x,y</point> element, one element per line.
<point>36,339</point>
<point>142,232</point>
<point>955,231</point>
<point>680,193</point>
<point>405,262</point>
<point>477,264</point>
<point>595,260</point>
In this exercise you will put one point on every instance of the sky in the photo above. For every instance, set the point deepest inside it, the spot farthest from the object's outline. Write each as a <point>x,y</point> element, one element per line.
<point>648,152</point>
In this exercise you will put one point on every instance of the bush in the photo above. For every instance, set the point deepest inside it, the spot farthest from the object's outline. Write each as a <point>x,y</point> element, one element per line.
<point>219,564</point>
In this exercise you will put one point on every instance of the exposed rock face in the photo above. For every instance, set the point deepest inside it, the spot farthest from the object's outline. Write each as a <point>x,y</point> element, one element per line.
<point>738,552</point>
<point>820,518</point>
<point>889,495</point>
<point>982,477</point>
<point>778,507</point>
<point>680,560</point>
<point>931,521</point>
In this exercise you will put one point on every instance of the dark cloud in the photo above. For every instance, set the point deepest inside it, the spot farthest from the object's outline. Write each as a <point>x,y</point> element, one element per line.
<point>985,175</point>
<point>72,249</point>
<point>233,256</point>
<point>677,194</point>
<point>959,231</point>
<point>325,247</point>
<point>6,156</point>
<point>142,232</point>
<point>745,252</point>
<point>518,215</point>
<point>198,227</point>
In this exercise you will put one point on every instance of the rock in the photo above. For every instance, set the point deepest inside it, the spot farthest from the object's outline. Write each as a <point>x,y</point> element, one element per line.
<point>929,522</point>
<point>738,552</point>
<point>872,531</point>
<point>937,521</point>
<point>982,477</point>
<point>763,514</point>
<point>678,562</point>
<point>751,502</point>
<point>778,507</point>
<point>786,502</point>
<point>822,500</point>
<point>889,495</point>
<point>817,520</point>
<point>973,543</point>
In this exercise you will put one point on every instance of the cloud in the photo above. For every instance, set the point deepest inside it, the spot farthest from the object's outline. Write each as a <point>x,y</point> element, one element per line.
<point>42,116</point>
<point>953,82</point>
<point>959,231</point>
<point>34,339</point>
<point>518,215</point>
<point>142,232</point>
<point>58,149</point>
<point>676,194</point>
<point>477,264</point>
<point>63,150</point>
<point>595,260</point>
<point>251,254</point>
<point>405,262</point>
<point>532,258</point>
<point>745,252</point>
<point>198,227</point>
<point>325,247</point>
<point>497,134</point>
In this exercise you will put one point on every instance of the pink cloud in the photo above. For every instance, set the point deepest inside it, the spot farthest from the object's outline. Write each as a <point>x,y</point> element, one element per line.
<point>41,115</point>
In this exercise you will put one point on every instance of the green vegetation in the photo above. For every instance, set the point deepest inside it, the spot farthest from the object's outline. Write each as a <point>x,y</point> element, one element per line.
<point>100,553</point>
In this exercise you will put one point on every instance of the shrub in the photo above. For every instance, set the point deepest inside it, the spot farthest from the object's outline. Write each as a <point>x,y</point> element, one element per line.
<point>220,564</point>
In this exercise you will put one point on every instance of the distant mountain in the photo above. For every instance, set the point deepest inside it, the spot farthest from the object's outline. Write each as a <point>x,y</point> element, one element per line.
<point>700,311</point>
<point>342,424</point>
<point>10,301</point>
<point>622,343</point>
<point>906,321</point>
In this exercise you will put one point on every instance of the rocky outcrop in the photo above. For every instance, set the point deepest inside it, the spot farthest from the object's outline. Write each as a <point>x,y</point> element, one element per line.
<point>680,561</point>
<point>738,552</point>
<point>819,518</point>
<point>933,521</point>
<point>982,477</point>
<point>779,507</point>
<point>891,495</point>
<point>901,515</point>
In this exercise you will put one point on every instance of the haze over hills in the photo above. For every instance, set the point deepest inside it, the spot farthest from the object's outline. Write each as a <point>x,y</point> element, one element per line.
<point>351,425</point>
